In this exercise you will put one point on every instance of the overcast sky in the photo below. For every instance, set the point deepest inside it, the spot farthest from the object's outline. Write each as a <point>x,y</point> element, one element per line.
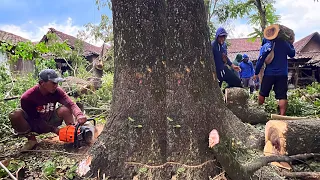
<point>32,18</point>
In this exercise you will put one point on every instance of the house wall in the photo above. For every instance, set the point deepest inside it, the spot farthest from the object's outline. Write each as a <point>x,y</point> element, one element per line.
<point>23,66</point>
<point>3,61</point>
<point>3,58</point>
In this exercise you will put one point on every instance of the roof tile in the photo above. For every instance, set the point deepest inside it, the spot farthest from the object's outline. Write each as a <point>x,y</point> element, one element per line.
<point>12,38</point>
<point>89,49</point>
<point>299,45</point>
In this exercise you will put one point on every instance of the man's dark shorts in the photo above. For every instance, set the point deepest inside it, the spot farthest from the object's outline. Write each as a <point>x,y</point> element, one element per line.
<point>42,126</point>
<point>279,84</point>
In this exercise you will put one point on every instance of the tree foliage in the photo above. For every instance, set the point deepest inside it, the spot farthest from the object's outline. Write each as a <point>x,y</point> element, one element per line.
<point>260,13</point>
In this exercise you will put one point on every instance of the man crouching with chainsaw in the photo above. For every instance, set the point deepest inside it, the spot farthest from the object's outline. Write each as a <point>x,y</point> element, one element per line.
<point>38,111</point>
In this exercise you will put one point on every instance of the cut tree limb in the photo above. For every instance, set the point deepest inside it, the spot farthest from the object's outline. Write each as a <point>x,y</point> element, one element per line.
<point>237,101</point>
<point>292,136</point>
<point>278,31</point>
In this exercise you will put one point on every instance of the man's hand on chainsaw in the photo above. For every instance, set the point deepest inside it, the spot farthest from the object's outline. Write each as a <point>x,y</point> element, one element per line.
<point>81,119</point>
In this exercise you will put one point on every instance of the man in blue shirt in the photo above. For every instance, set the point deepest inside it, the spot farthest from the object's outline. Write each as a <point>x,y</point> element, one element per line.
<point>247,72</point>
<point>276,71</point>
<point>219,50</point>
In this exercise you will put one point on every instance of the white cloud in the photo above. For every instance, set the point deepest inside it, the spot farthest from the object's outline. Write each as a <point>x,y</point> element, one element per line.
<point>66,27</point>
<point>240,30</point>
<point>300,15</point>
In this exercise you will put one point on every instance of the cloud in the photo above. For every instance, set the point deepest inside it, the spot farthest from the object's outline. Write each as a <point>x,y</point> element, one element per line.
<point>300,15</point>
<point>35,33</point>
<point>240,30</point>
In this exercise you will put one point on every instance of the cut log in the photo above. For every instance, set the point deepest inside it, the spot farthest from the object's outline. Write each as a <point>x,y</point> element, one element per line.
<point>236,100</point>
<point>292,137</point>
<point>278,31</point>
<point>78,86</point>
<point>269,150</point>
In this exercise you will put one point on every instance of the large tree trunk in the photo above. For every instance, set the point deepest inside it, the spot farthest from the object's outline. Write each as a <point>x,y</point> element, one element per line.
<point>136,127</point>
<point>166,100</point>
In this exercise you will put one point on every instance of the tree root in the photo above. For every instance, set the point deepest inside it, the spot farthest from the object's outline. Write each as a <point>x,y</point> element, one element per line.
<point>303,175</point>
<point>263,161</point>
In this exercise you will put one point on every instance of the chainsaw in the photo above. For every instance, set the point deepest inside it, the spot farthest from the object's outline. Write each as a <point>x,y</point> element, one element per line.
<point>78,134</point>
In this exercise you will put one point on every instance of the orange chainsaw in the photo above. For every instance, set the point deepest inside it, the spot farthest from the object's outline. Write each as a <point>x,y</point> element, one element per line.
<point>78,134</point>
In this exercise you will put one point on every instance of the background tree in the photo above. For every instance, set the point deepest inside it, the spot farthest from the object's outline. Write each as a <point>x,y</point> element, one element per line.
<point>261,13</point>
<point>103,31</point>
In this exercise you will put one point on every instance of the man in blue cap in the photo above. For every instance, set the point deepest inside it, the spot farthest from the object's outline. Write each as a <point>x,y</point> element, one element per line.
<point>219,50</point>
<point>247,73</point>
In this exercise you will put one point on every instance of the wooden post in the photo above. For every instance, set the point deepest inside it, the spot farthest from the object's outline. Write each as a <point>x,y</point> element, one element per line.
<point>313,76</point>
<point>296,78</point>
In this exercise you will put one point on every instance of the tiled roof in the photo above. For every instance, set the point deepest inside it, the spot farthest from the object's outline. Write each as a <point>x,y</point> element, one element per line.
<point>89,49</point>
<point>299,45</point>
<point>314,57</point>
<point>11,38</point>
<point>244,46</point>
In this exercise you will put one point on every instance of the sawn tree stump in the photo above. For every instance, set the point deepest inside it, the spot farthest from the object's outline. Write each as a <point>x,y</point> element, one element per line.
<point>237,101</point>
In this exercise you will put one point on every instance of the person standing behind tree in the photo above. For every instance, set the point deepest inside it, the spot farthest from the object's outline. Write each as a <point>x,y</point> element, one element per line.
<point>276,71</point>
<point>222,61</point>
<point>236,62</point>
<point>247,72</point>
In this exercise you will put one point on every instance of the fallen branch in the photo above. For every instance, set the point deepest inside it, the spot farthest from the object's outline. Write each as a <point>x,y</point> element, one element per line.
<point>280,117</point>
<point>12,177</point>
<point>41,151</point>
<point>53,151</point>
<point>11,98</point>
<point>94,108</point>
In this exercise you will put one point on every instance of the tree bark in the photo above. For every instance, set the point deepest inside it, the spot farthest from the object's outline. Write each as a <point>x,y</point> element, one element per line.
<point>136,127</point>
<point>262,13</point>
<point>166,101</point>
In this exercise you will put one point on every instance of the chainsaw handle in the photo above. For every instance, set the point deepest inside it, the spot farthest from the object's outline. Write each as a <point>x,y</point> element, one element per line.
<point>76,142</point>
<point>92,119</point>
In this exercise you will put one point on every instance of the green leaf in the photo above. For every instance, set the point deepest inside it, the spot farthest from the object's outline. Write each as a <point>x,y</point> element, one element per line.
<point>180,170</point>
<point>138,126</point>
<point>143,170</point>
<point>49,168</point>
